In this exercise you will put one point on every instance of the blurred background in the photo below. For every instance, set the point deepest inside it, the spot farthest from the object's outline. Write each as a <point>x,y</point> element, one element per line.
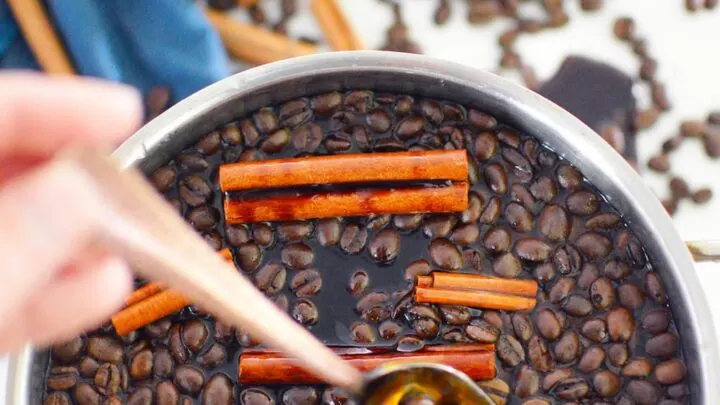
<point>645,74</point>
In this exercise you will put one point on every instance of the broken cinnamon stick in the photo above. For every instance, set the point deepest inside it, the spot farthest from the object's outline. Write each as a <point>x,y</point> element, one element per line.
<point>335,25</point>
<point>150,303</point>
<point>525,288</point>
<point>449,165</point>
<point>268,368</point>
<point>253,44</point>
<point>452,198</point>
<point>473,298</point>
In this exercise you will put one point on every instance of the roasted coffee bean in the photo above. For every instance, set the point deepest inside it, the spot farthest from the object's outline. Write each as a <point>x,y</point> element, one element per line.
<point>294,231</point>
<point>271,278</point>
<point>510,351</point>
<point>663,346</point>
<point>486,145</point>
<point>251,154</point>
<point>496,178</point>
<point>403,105</point>
<point>189,379</point>
<point>592,359</point>
<point>250,133</point>
<point>493,318</point>
<point>595,330</point>
<point>659,163</point>
<point>702,196</point>
<point>603,220</point>
<point>561,290</point>
<point>594,245</point>
<point>679,188</point>
<point>539,355</point>
<point>492,211</point>
<point>631,297</point>
<point>328,232</point>
<point>572,388</point>
<point>385,246</point>
<point>602,293</point>
<point>195,190</point>
<point>656,320</point>
<point>307,138</point>
<point>438,226</point>
<point>648,69</point>
<point>473,258</point>
<point>638,368</point>
<point>231,135</point>
<point>213,239</point>
<point>620,325</point>
<point>548,324</point>
<point>306,283</point>
<point>203,217</point>
<point>341,121</point>
<point>265,120</point>
<point>577,305</point>
<point>567,259</point>
<point>358,101</point>
<point>455,314</point>
<point>616,270</point>
<point>276,141</point>
<point>509,137</point>
<point>338,142</point>
<point>606,383</point>
<point>544,188</point>
<point>445,254</point>
<point>305,312</point>
<point>510,59</point>
<point>569,177</point>
<point>518,217</point>
<point>712,143</point>
<point>249,256</point>
<point>282,302</point>
<point>362,332</point>
<point>194,162</point>
<point>163,362</point>
<point>643,392</point>
<point>105,349</point>
<point>465,235</point>
<point>358,282</point>
<point>244,339</point>
<point>69,351</point>
<point>256,396</point>
<point>353,238</point>
<point>62,378</point>
<point>522,326</point>
<point>481,120</point>
<point>389,330</point>
<point>532,249</point>
<point>618,354</point>
<point>177,348</point>
<point>417,268</point>
<point>388,145</point>
<point>223,332</point>
<point>527,382</point>
<point>588,275</point>
<point>409,127</point>
<point>88,366</point>
<point>141,365</point>
<point>164,178</point>
<point>294,113</point>
<point>216,355</point>
<point>209,144</point>
<point>194,334</point>
<point>378,120</point>
<point>646,118</point>
<point>166,394</point>
<point>326,103</point>
<point>507,265</point>
<point>107,379</point>
<point>670,372</point>
<point>515,158</point>
<point>568,347</point>
<point>236,235</point>
<point>297,255</point>
<point>219,390</point>
<point>482,331</point>
<point>300,396</point>
<point>58,398</point>
<point>582,202</point>
<point>85,394</point>
<point>520,193</point>
<point>497,240</point>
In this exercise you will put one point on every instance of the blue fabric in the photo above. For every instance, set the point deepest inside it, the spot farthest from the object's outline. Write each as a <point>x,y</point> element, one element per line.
<point>138,42</point>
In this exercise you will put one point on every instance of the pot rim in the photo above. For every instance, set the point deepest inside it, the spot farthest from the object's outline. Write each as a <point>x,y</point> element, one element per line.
<point>585,147</point>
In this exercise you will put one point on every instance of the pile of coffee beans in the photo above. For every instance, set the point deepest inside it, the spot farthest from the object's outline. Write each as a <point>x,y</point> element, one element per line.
<point>602,332</point>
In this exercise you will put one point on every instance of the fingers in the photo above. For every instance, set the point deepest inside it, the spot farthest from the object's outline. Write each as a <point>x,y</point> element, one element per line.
<point>49,215</point>
<point>70,305</point>
<point>39,114</point>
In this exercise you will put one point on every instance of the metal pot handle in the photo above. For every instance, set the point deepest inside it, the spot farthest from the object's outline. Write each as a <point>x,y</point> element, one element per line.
<point>704,251</point>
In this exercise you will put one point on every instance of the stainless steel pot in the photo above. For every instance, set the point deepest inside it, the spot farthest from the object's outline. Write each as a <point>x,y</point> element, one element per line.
<point>233,97</point>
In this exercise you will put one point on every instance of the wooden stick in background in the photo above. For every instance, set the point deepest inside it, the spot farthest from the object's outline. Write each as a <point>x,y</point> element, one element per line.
<point>335,25</point>
<point>473,298</point>
<point>40,35</point>
<point>464,281</point>
<point>150,303</point>
<point>263,368</point>
<point>452,198</point>
<point>342,169</point>
<point>256,45</point>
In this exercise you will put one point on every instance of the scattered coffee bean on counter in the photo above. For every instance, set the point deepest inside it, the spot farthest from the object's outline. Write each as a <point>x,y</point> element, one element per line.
<point>601,332</point>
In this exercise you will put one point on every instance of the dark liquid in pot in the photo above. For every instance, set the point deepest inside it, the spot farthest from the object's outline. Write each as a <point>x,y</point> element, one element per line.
<point>602,331</point>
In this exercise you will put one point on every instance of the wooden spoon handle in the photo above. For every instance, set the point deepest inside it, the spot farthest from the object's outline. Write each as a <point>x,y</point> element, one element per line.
<point>146,231</point>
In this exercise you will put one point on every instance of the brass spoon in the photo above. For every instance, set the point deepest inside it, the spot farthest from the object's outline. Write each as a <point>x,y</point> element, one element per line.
<point>140,226</point>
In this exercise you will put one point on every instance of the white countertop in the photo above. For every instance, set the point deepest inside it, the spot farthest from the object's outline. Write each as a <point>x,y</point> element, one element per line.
<point>685,46</point>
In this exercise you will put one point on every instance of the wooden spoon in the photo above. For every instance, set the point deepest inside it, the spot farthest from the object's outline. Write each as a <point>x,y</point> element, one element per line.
<point>143,228</point>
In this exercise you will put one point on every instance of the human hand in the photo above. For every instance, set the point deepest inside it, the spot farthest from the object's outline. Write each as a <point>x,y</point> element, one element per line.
<point>53,286</point>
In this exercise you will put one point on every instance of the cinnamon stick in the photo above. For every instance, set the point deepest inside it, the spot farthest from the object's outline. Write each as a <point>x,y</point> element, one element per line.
<point>473,298</point>
<point>41,37</point>
<point>452,198</point>
<point>253,44</point>
<point>449,165</point>
<point>150,303</point>
<point>268,368</point>
<point>335,25</point>
<point>525,288</point>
